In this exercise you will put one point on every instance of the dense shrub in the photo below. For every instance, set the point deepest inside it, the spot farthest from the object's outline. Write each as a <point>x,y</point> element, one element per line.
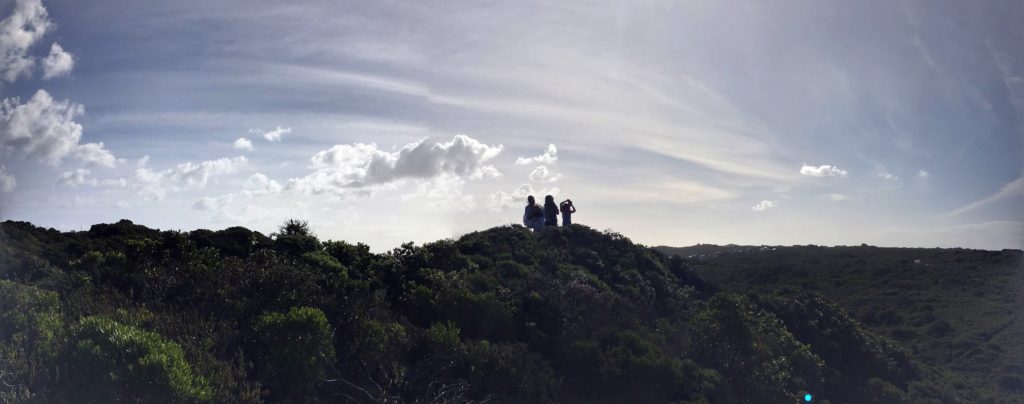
<point>30,330</point>
<point>297,348</point>
<point>500,315</point>
<point>109,361</point>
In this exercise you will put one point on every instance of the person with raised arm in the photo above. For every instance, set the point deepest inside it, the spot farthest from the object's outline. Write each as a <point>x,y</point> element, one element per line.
<point>567,209</point>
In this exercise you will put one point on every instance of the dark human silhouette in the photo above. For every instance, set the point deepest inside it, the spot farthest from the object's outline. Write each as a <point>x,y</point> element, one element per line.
<point>567,209</point>
<point>550,212</point>
<point>533,215</point>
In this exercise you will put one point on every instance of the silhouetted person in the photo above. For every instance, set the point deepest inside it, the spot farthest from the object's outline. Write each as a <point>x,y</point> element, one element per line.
<point>533,216</point>
<point>550,212</point>
<point>567,209</point>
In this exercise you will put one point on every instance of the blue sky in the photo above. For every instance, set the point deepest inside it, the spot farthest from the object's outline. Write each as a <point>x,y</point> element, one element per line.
<point>672,122</point>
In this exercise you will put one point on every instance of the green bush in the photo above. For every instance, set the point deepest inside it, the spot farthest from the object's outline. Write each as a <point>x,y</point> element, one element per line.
<point>110,362</point>
<point>754,352</point>
<point>297,348</point>
<point>30,330</point>
<point>443,337</point>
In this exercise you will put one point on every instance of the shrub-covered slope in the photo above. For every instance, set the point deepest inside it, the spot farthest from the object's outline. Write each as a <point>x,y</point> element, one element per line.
<point>955,309</point>
<point>126,313</point>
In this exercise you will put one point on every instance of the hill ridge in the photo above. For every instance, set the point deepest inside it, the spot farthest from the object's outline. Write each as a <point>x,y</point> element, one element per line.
<point>571,315</point>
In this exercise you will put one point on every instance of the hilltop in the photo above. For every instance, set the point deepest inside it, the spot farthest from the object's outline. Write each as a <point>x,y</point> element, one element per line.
<point>126,313</point>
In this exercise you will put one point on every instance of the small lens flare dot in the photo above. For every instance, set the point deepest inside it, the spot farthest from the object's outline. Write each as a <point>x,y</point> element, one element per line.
<point>807,397</point>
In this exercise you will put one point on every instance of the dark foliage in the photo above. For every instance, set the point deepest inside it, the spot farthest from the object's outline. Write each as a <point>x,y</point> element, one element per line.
<point>123,313</point>
<point>956,313</point>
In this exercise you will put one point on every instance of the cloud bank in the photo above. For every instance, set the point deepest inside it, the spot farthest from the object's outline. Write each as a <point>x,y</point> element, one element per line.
<point>343,168</point>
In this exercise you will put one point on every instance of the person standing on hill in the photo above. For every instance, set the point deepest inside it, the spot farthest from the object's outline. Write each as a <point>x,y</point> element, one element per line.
<point>550,212</point>
<point>567,209</point>
<point>533,216</point>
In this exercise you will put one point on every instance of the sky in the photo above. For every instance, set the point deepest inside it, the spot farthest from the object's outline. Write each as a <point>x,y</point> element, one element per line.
<point>891,123</point>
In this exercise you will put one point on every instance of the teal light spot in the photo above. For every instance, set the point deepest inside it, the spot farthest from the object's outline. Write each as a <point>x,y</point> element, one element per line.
<point>807,397</point>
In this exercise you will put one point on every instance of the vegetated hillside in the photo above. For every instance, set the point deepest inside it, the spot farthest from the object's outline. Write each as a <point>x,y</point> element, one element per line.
<point>955,309</point>
<point>123,313</point>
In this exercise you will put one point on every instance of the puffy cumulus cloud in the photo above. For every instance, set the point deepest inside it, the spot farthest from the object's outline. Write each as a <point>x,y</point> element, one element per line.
<point>80,177</point>
<point>185,176</point>
<point>344,168</point>
<point>58,63</point>
<point>764,205</point>
<point>822,171</point>
<point>501,200</point>
<point>923,174</point>
<point>243,144</point>
<point>550,156</point>
<point>7,181</point>
<point>45,129</point>
<point>25,26</point>
<point>259,184</point>
<point>543,174</point>
<point>274,135</point>
<point>94,153</point>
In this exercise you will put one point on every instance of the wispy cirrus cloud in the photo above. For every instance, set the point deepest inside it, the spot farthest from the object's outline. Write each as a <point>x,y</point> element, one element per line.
<point>7,181</point>
<point>1011,189</point>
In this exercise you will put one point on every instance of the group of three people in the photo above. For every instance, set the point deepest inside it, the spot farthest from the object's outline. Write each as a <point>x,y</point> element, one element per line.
<point>537,218</point>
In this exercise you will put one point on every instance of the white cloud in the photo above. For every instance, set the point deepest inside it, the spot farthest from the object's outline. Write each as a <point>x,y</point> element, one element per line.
<point>274,135</point>
<point>550,156</point>
<point>45,129</point>
<point>243,144</point>
<point>501,200</point>
<point>79,177</point>
<point>185,176</point>
<point>764,205</point>
<point>259,184</point>
<point>822,171</point>
<point>58,63</point>
<point>542,174</point>
<point>18,32</point>
<point>343,168</point>
<point>7,181</point>
<point>923,174</point>
<point>94,153</point>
